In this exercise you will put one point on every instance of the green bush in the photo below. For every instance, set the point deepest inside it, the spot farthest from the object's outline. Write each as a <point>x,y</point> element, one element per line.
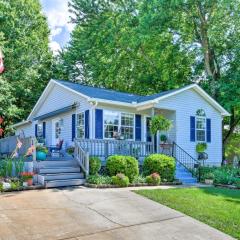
<point>99,180</point>
<point>1,187</point>
<point>94,165</point>
<point>162,164</point>
<point>139,179</point>
<point>123,164</point>
<point>153,179</point>
<point>120,180</point>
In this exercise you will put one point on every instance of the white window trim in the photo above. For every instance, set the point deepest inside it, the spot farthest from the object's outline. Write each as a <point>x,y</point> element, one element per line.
<point>197,129</point>
<point>77,126</point>
<point>119,123</point>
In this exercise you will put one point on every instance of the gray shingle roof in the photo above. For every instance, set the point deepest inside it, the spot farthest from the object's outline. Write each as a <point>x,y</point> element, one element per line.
<point>111,95</point>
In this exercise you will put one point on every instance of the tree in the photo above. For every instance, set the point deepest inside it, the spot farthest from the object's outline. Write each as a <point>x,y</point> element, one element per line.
<point>24,40</point>
<point>111,46</point>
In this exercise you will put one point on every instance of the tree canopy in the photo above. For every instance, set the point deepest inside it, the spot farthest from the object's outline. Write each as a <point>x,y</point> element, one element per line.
<point>24,40</point>
<point>146,46</point>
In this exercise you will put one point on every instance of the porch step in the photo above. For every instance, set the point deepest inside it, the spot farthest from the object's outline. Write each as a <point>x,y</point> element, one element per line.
<point>184,175</point>
<point>62,176</point>
<point>59,170</point>
<point>57,163</point>
<point>64,183</point>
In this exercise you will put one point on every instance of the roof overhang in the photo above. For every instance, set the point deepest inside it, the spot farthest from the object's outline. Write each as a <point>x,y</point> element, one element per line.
<point>56,112</point>
<point>21,124</point>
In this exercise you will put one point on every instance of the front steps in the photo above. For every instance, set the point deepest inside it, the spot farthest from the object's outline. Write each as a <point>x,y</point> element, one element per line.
<point>184,175</point>
<point>59,173</point>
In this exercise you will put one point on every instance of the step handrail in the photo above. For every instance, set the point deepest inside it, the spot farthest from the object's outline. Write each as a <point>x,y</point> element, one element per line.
<point>184,158</point>
<point>82,157</point>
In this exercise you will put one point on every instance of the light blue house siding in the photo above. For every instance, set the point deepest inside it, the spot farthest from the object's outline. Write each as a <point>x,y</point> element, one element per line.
<point>178,108</point>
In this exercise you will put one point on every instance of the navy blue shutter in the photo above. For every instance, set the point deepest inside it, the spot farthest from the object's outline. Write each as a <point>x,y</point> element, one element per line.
<point>138,132</point>
<point>36,128</point>
<point>87,124</point>
<point>44,129</point>
<point>73,126</point>
<point>208,130</point>
<point>99,124</point>
<point>192,129</point>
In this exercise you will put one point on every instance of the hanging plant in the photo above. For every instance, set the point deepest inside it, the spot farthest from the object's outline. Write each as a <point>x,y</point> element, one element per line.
<point>201,147</point>
<point>160,123</point>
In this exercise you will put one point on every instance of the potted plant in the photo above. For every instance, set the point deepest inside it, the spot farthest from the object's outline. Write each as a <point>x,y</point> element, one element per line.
<point>209,177</point>
<point>41,153</point>
<point>163,138</point>
<point>27,178</point>
<point>201,147</point>
<point>70,150</point>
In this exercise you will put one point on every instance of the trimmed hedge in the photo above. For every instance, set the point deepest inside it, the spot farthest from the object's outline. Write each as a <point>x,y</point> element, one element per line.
<point>162,164</point>
<point>94,165</point>
<point>123,164</point>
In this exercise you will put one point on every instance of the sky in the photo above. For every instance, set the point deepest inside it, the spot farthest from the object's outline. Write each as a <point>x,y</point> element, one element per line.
<point>58,21</point>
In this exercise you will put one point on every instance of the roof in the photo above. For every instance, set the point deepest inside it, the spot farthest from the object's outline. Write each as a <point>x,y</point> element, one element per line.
<point>107,94</point>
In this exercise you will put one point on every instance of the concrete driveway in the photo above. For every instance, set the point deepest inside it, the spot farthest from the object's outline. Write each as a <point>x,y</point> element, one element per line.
<point>76,213</point>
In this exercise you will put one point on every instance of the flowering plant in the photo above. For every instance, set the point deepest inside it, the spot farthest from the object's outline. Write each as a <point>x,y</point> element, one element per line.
<point>27,175</point>
<point>154,179</point>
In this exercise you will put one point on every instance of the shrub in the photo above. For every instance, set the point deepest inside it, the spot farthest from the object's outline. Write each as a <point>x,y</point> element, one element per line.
<point>209,175</point>
<point>222,177</point>
<point>1,187</point>
<point>120,180</point>
<point>123,164</point>
<point>139,179</point>
<point>99,180</point>
<point>94,165</point>
<point>161,164</point>
<point>154,179</point>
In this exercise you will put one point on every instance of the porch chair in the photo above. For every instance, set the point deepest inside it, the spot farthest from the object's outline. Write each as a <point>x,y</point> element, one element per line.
<point>57,148</point>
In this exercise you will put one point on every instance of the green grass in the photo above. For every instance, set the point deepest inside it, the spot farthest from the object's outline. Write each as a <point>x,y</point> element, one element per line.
<point>217,207</point>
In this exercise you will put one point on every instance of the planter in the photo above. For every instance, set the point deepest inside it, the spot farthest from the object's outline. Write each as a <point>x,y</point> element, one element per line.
<point>30,182</point>
<point>41,156</point>
<point>209,181</point>
<point>25,184</point>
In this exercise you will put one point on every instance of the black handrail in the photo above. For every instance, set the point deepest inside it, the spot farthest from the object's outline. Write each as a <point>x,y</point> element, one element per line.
<point>185,159</point>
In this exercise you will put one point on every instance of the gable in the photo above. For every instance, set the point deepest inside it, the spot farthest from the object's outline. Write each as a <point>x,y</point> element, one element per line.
<point>56,98</point>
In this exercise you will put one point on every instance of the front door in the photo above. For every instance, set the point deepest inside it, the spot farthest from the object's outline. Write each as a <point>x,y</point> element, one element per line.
<point>56,133</point>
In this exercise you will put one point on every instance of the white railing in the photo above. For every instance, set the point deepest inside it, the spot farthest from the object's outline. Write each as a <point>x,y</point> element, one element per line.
<point>105,148</point>
<point>82,157</point>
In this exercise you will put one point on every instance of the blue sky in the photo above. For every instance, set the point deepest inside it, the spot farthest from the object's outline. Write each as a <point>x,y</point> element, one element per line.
<point>58,21</point>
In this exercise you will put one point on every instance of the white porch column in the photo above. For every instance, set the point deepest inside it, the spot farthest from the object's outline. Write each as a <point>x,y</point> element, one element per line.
<point>158,142</point>
<point>152,114</point>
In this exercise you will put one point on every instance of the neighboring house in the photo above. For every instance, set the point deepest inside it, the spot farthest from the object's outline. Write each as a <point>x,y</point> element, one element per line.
<point>68,110</point>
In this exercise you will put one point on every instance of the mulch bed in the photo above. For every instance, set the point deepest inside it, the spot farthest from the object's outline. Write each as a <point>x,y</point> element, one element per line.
<point>90,185</point>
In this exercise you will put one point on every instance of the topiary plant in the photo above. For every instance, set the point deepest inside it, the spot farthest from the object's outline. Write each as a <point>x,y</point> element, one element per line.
<point>94,165</point>
<point>159,123</point>
<point>123,164</point>
<point>162,164</point>
<point>120,180</point>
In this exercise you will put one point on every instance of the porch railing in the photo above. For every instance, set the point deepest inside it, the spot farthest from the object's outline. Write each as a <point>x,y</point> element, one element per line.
<point>105,148</point>
<point>185,159</point>
<point>82,157</point>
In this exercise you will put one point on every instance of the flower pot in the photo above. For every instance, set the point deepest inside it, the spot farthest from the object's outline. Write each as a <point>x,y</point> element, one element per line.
<point>30,182</point>
<point>25,184</point>
<point>41,156</point>
<point>209,181</point>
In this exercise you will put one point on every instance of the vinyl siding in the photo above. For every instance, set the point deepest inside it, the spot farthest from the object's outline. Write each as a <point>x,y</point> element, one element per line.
<point>186,104</point>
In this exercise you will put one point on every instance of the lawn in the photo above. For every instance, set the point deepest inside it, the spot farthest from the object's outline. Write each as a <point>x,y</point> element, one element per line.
<point>217,207</point>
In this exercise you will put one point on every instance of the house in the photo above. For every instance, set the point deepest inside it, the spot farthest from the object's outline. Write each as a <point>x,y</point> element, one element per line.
<point>95,116</point>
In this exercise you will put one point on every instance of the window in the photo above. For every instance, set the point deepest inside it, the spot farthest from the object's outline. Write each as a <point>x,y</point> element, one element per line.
<point>118,124</point>
<point>111,124</point>
<point>127,124</point>
<point>80,125</point>
<point>40,130</point>
<point>200,125</point>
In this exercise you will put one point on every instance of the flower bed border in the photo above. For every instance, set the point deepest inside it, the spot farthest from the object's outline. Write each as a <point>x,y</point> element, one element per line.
<point>226,186</point>
<point>91,185</point>
<point>33,187</point>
